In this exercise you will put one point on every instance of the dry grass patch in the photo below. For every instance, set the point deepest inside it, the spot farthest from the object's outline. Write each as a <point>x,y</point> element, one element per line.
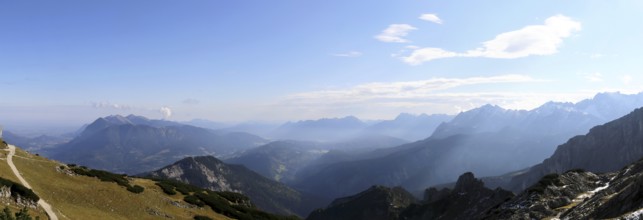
<point>81,197</point>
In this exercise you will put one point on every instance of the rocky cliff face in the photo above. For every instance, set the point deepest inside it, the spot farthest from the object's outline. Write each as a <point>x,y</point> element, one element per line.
<point>376,203</point>
<point>469,199</point>
<point>605,148</point>
<point>579,194</point>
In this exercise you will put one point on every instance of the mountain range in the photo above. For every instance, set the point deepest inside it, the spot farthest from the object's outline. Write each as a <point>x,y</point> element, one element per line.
<point>562,186</point>
<point>487,141</point>
<point>605,148</point>
<point>134,144</point>
<point>405,126</point>
<point>559,164</point>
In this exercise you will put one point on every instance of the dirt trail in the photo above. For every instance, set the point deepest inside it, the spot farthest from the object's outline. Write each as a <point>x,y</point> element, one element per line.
<point>50,212</point>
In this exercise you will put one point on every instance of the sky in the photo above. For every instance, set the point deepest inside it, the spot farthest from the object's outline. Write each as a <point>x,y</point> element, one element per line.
<point>69,62</point>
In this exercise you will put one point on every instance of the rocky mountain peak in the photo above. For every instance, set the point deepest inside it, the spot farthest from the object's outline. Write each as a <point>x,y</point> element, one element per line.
<point>467,182</point>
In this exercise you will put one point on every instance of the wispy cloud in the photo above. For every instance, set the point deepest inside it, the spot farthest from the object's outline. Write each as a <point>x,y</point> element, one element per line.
<point>594,77</point>
<point>395,33</point>
<point>531,40</point>
<point>348,54</point>
<point>191,101</point>
<point>431,17</point>
<point>596,55</point>
<point>108,105</point>
<point>443,95</point>
<point>409,89</point>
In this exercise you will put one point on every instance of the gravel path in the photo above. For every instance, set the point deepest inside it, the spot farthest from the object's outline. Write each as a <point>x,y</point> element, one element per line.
<point>50,212</point>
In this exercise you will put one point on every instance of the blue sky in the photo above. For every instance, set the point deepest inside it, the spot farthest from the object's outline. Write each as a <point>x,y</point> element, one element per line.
<point>72,61</point>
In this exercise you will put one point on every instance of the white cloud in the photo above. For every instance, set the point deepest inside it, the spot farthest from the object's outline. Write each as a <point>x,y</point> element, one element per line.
<point>166,112</point>
<point>531,40</point>
<point>349,54</point>
<point>431,17</point>
<point>419,56</point>
<point>395,33</point>
<point>627,79</point>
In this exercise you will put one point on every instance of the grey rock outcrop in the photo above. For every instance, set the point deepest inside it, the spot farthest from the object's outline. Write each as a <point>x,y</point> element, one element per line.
<point>605,148</point>
<point>469,199</point>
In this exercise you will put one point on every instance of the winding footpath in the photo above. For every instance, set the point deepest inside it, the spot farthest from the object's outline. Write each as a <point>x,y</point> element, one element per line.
<point>50,212</point>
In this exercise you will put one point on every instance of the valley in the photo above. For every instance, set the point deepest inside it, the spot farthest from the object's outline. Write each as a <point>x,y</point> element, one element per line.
<point>299,177</point>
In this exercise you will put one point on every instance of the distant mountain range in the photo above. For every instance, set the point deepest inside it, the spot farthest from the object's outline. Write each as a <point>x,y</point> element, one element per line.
<point>211,173</point>
<point>134,144</point>
<point>487,141</point>
<point>605,148</point>
<point>34,143</point>
<point>286,161</point>
<point>410,127</point>
<point>320,130</point>
<point>404,126</point>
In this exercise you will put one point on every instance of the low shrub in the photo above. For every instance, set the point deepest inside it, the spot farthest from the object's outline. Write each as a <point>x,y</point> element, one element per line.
<point>120,179</point>
<point>135,189</point>
<point>19,189</point>
<point>200,217</point>
<point>167,188</point>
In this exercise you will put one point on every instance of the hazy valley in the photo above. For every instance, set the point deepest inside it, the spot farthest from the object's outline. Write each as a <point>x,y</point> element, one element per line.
<point>306,177</point>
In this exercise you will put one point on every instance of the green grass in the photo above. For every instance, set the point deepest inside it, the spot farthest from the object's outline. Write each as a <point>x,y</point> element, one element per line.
<point>105,176</point>
<point>83,197</point>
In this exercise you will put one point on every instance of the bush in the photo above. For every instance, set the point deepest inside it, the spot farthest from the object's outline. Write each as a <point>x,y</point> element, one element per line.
<point>135,189</point>
<point>167,188</point>
<point>193,200</point>
<point>219,202</point>
<point>200,217</point>
<point>19,189</point>
<point>120,179</point>
<point>233,197</point>
<point>20,215</point>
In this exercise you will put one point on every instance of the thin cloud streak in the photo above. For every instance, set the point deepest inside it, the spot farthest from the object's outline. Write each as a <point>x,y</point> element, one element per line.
<point>404,90</point>
<point>349,54</point>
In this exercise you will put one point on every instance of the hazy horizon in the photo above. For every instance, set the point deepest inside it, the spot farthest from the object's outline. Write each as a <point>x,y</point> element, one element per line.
<point>70,62</point>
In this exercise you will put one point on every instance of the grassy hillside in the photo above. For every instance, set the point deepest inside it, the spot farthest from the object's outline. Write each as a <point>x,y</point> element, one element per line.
<point>82,197</point>
<point>6,173</point>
